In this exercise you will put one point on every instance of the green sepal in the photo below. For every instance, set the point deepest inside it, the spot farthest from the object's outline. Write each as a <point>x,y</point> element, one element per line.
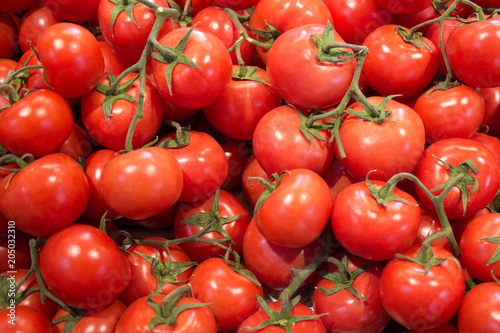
<point>496,256</point>
<point>120,7</point>
<point>236,267</point>
<point>270,34</point>
<point>464,169</point>
<point>5,291</point>
<point>270,186</point>
<point>384,194</point>
<point>312,131</point>
<point>382,113</point>
<point>181,140</point>
<point>247,73</point>
<point>494,206</point>
<point>70,320</point>
<point>415,39</point>
<point>325,53</point>
<point>112,96</point>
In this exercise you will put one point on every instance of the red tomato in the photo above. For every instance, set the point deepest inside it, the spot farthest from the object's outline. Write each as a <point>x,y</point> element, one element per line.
<point>394,66</point>
<point>112,64</point>
<point>8,36</point>
<point>237,153</point>
<point>433,34</point>
<point>453,113</point>
<point>152,274</point>
<point>434,173</point>
<point>279,144</point>
<point>45,196</point>
<point>253,189</point>
<point>491,142</point>
<point>212,79</point>
<point>35,79</point>
<point>232,296</point>
<point>78,144</point>
<point>477,312</point>
<point>491,119</point>
<point>23,256</point>
<point>70,46</point>
<point>389,148</point>
<point>33,23</point>
<point>446,328</point>
<point>43,121</point>
<point>16,6</point>
<point>472,58</point>
<point>24,319</point>
<point>435,295</point>
<point>74,10</point>
<point>297,211</point>
<point>429,225</point>
<point>142,183</point>
<point>337,178</point>
<point>370,230</point>
<point>404,6</point>
<point>236,4</point>
<point>65,269</point>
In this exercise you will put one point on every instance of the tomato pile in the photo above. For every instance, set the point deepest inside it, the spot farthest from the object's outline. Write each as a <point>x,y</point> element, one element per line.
<point>249,166</point>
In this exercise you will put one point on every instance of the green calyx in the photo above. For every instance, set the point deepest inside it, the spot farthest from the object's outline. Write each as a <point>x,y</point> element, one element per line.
<point>70,320</point>
<point>270,35</point>
<point>114,95</point>
<point>380,115</point>
<point>496,256</point>
<point>328,50</point>
<point>122,6</point>
<point>384,194</point>
<point>412,38</point>
<point>238,268</point>
<point>181,137</point>
<point>270,186</point>
<point>310,130</point>
<point>247,73</point>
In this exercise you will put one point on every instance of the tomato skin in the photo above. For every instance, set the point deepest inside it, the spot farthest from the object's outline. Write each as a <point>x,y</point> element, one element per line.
<point>74,10</point>
<point>404,6</point>
<point>297,211</point>
<point>491,142</point>
<point>433,173</point>
<point>395,67</point>
<point>472,60</point>
<point>77,50</point>
<point>33,23</point>
<point>23,257</point>
<point>453,113</point>
<point>363,316</point>
<point>45,196</point>
<point>137,316</point>
<point>435,295</point>
<point>279,145</point>
<point>237,153</point>
<point>337,178</point>
<point>16,6</point>
<point>142,183</point>
<point>433,34</point>
<point>8,36</point>
<point>477,311</point>
<point>43,121</point>
<point>27,320</point>
<point>446,328</point>
<point>232,296</point>
<point>369,230</point>
<point>389,148</point>
<point>252,189</point>
<point>316,84</point>
<point>206,51</point>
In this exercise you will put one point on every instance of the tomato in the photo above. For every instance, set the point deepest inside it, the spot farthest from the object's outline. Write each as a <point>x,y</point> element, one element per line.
<point>23,319</point>
<point>435,295</point>
<point>141,183</point>
<point>33,23</point>
<point>92,322</point>
<point>491,142</point>
<point>297,210</point>
<point>472,58</point>
<point>203,164</point>
<point>394,66</point>
<point>316,84</point>
<point>6,65</point>
<point>446,328</point>
<point>8,36</point>
<point>389,148</point>
<point>253,189</point>
<point>65,269</point>
<point>365,315</point>
<point>404,6</point>
<point>162,220</point>
<point>236,4</point>
<point>149,270</point>
<point>229,207</point>
<point>337,178</point>
<point>23,256</point>
<point>488,3</point>
<point>212,78</point>
<point>232,296</point>
<point>355,19</point>
<point>16,6</point>
<point>453,113</point>
<point>491,98</point>
<point>45,196</point>
<point>35,78</point>
<point>73,48</point>
<point>78,143</point>
<point>137,317</point>
<point>196,5</point>
<point>43,121</point>
<point>477,312</point>
<point>370,230</point>
<point>73,11</point>
<point>279,144</point>
<point>237,153</point>
<point>429,225</point>
<point>112,64</point>
<point>111,131</point>
<point>272,264</point>
<point>433,173</point>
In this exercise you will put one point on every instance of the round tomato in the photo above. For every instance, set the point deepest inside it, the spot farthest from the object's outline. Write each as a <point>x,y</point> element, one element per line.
<point>33,23</point>
<point>253,189</point>
<point>74,10</point>
<point>404,6</point>
<point>16,6</point>
<point>24,319</point>
<point>8,36</point>
<point>478,311</point>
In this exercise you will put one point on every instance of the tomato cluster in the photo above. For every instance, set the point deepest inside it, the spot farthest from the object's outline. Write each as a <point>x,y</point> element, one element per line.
<point>249,166</point>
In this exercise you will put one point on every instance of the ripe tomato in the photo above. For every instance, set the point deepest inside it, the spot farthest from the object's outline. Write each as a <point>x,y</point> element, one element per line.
<point>491,98</point>
<point>253,189</point>
<point>478,311</point>
<point>337,178</point>
<point>74,10</point>
<point>26,319</point>
<point>16,6</point>
<point>33,23</point>
<point>70,46</point>
<point>404,6</point>
<point>8,36</point>
<point>142,183</point>
<point>45,196</point>
<point>78,144</point>
<point>65,269</point>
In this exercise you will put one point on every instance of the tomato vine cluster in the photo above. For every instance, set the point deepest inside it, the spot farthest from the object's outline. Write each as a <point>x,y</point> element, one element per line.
<point>249,166</point>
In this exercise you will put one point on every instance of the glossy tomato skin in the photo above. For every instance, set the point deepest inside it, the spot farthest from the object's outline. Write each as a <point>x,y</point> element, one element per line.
<point>477,311</point>
<point>93,322</point>
<point>142,183</point>
<point>253,189</point>
<point>297,211</point>
<point>435,295</point>
<point>80,287</point>
<point>232,296</point>
<point>389,148</point>
<point>229,206</point>
<point>395,67</point>
<point>279,145</point>
<point>137,316</point>
<point>77,50</point>
<point>476,251</point>
<point>404,6</point>
<point>8,36</point>
<point>369,230</point>
<point>33,23</point>
<point>73,11</point>
<point>143,280</point>
<point>206,51</point>
<point>363,316</point>
<point>27,320</point>
<point>491,97</point>
<point>45,196</point>
<point>453,113</point>
<point>111,132</point>
<point>433,173</point>
<point>310,326</point>
<point>316,84</point>
<point>43,121</point>
<point>472,59</point>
